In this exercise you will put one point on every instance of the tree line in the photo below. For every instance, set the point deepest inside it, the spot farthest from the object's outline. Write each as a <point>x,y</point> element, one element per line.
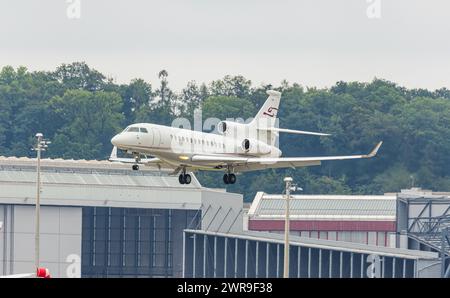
<point>79,109</point>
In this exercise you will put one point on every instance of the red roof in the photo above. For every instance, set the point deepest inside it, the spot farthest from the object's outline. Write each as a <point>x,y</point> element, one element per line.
<point>322,225</point>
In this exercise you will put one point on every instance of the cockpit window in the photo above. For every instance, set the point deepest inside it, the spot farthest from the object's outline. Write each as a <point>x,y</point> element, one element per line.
<point>144,130</point>
<point>133,129</point>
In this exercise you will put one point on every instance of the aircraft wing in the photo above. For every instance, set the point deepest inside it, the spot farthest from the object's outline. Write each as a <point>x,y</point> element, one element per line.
<point>256,163</point>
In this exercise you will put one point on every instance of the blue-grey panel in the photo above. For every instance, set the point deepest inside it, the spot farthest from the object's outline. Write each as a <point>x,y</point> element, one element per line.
<point>329,206</point>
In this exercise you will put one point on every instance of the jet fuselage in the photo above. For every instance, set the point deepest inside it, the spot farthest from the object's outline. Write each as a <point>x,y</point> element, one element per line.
<point>177,145</point>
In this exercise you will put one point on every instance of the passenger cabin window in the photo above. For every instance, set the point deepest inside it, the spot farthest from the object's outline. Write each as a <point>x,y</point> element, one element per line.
<point>144,130</point>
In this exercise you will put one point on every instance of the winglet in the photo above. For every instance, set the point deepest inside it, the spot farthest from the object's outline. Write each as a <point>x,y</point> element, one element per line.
<point>375,150</point>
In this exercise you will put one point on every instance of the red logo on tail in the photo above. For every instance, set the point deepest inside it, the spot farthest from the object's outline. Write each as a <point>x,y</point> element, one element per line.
<point>271,112</point>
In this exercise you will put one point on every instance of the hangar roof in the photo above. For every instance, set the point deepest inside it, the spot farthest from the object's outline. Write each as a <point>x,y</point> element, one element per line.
<point>72,164</point>
<point>97,183</point>
<point>324,207</point>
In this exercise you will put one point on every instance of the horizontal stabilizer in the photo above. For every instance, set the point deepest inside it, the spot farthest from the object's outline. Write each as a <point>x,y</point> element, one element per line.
<point>300,132</point>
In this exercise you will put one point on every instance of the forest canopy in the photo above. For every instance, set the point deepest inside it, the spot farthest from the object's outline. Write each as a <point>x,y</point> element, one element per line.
<point>79,109</point>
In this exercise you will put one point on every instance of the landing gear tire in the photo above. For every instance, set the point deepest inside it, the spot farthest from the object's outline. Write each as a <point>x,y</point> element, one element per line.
<point>135,167</point>
<point>232,178</point>
<point>226,179</point>
<point>229,178</point>
<point>184,179</point>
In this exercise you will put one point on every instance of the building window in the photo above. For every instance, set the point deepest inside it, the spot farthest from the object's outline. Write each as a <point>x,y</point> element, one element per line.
<point>129,242</point>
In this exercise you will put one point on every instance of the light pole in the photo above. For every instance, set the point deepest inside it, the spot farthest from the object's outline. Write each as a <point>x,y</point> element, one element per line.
<point>289,187</point>
<point>41,145</point>
<point>288,181</point>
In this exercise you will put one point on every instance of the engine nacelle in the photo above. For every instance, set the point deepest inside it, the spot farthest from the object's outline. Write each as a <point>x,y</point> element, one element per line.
<point>231,128</point>
<point>255,147</point>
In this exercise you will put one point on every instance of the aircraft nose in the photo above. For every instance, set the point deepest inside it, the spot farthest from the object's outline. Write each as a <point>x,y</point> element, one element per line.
<point>116,140</point>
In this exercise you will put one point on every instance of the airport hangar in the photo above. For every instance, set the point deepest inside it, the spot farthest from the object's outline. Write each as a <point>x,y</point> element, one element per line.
<point>101,219</point>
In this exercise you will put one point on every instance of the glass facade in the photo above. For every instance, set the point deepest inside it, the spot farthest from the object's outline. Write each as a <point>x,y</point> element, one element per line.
<point>127,242</point>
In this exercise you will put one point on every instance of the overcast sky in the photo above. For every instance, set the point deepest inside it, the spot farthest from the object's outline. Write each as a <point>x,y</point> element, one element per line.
<point>314,43</point>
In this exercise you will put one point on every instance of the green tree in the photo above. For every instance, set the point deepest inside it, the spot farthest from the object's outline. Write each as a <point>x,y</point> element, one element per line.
<point>394,179</point>
<point>223,107</point>
<point>234,86</point>
<point>191,98</point>
<point>78,75</point>
<point>136,95</point>
<point>161,109</point>
<point>79,109</point>
<point>87,121</point>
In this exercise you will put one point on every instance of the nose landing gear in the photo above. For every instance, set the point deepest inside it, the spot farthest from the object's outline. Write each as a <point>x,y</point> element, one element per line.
<point>137,158</point>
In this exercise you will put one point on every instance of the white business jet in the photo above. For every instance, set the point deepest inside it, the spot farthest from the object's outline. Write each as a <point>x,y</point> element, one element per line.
<point>238,147</point>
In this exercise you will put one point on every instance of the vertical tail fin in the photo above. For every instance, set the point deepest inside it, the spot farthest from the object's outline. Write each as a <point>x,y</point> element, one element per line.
<point>267,118</point>
<point>269,110</point>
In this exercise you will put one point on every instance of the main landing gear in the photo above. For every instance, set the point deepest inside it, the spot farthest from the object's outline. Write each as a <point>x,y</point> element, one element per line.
<point>229,178</point>
<point>184,178</point>
<point>135,167</point>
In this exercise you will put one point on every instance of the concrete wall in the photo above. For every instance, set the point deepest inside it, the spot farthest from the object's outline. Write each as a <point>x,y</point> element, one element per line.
<point>402,216</point>
<point>428,269</point>
<point>70,186</point>
<point>222,212</point>
<point>60,242</point>
<point>101,195</point>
